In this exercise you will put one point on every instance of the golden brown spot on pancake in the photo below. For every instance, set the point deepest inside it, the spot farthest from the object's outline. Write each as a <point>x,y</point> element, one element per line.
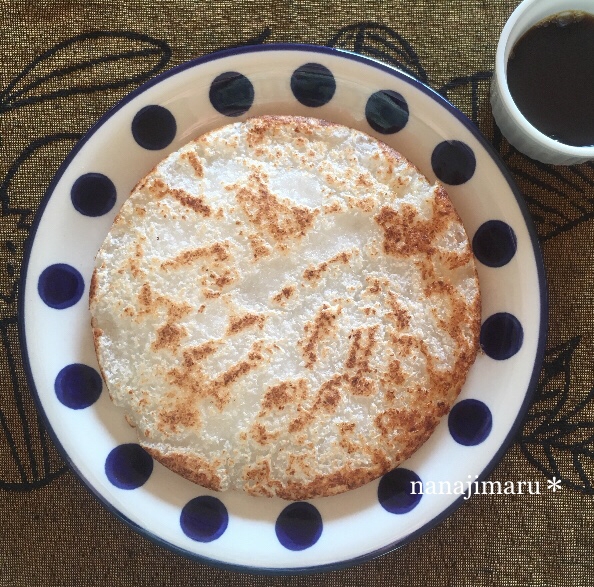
<point>326,401</point>
<point>149,304</point>
<point>226,278</point>
<point>345,478</point>
<point>284,294</point>
<point>298,465</point>
<point>406,234</point>
<point>182,415</point>
<point>359,372</point>
<point>159,190</point>
<point>193,382</point>
<point>195,203</point>
<point>286,393</point>
<point>279,218</point>
<point>134,261</point>
<point>239,323</point>
<point>262,436</point>
<point>364,180</point>
<point>304,417</point>
<point>257,130</point>
<point>313,274</point>
<point>332,179</point>
<point>200,352</point>
<point>195,162</point>
<point>392,377</point>
<point>260,248</point>
<point>322,326</point>
<point>328,396</point>
<point>333,208</point>
<point>191,467</point>
<point>345,432</point>
<point>145,296</point>
<point>93,286</point>
<point>258,479</point>
<point>391,421</point>
<point>346,428</point>
<point>216,252</point>
<point>363,204</point>
<point>403,344</point>
<point>129,311</point>
<point>398,314</point>
<point>175,311</point>
<point>169,337</point>
<point>454,260</point>
<point>374,285</point>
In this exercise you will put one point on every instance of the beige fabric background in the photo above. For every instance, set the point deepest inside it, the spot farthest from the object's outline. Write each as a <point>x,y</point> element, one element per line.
<point>56,533</point>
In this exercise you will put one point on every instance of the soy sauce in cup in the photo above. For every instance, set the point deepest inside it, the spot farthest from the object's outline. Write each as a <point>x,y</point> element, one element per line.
<point>550,74</point>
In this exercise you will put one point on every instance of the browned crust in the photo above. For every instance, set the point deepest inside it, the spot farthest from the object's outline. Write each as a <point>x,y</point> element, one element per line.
<point>322,326</point>
<point>239,323</point>
<point>313,274</point>
<point>194,161</point>
<point>284,294</point>
<point>159,190</point>
<point>217,252</point>
<point>279,219</point>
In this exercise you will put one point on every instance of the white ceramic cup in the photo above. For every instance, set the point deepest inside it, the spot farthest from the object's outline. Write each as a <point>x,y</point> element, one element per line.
<point>512,123</point>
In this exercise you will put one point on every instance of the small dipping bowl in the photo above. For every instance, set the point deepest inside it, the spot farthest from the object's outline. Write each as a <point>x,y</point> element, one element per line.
<point>513,124</point>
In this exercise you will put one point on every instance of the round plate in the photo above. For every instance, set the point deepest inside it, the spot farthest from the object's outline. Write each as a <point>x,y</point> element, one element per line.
<point>231,529</point>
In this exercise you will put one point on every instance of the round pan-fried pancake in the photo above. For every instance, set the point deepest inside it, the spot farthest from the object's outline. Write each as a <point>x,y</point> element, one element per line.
<point>286,307</point>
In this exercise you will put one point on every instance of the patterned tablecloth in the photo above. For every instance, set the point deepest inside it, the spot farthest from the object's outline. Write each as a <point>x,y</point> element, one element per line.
<point>64,63</point>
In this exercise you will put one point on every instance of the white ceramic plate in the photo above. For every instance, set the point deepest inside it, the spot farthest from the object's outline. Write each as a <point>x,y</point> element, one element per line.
<point>230,529</point>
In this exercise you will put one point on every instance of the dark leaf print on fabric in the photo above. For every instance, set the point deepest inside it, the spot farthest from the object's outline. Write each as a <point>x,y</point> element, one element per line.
<point>15,216</point>
<point>28,456</point>
<point>86,63</point>
<point>465,92</point>
<point>380,42</point>
<point>559,197</point>
<point>82,64</point>
<point>558,437</point>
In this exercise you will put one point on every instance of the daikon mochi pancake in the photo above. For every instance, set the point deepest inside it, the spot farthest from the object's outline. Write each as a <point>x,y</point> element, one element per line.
<point>286,307</point>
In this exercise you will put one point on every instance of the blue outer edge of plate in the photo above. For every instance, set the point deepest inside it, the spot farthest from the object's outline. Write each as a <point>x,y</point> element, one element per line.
<point>490,150</point>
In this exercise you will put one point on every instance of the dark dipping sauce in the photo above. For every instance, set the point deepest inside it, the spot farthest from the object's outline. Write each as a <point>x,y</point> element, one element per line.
<point>550,74</point>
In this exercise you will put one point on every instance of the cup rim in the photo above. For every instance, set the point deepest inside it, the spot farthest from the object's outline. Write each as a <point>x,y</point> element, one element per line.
<point>501,80</point>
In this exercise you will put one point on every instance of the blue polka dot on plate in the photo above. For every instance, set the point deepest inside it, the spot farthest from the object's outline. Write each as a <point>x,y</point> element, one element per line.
<point>299,526</point>
<point>386,111</point>
<point>204,518</point>
<point>93,194</point>
<point>154,127</point>
<point>231,93</point>
<point>399,491</point>
<point>60,286</point>
<point>494,243</point>
<point>313,84</point>
<point>128,466</point>
<point>502,336</point>
<point>470,422</point>
<point>78,386</point>
<point>453,162</point>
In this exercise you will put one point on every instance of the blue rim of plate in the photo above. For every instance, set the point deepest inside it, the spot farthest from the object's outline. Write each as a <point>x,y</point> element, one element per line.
<point>468,124</point>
